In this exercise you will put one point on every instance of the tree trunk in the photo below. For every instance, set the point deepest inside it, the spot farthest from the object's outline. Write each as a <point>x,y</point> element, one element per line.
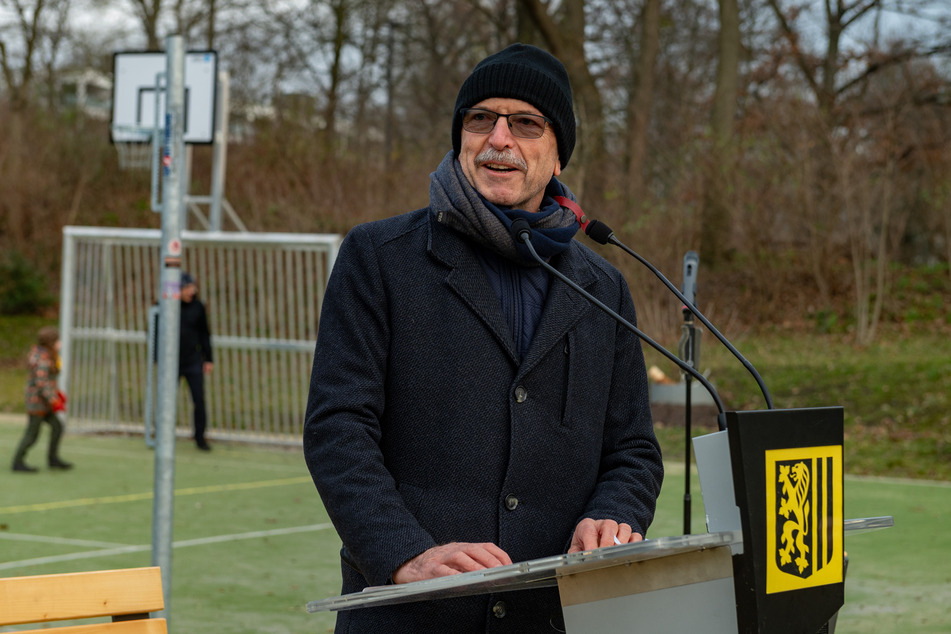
<point>210,33</point>
<point>567,44</point>
<point>341,12</point>
<point>148,11</point>
<point>640,100</point>
<point>715,220</point>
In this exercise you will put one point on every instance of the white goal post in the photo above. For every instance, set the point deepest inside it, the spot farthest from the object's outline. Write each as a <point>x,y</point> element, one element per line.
<point>263,292</point>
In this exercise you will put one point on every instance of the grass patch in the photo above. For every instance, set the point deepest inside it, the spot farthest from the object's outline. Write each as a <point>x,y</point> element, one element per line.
<point>898,579</point>
<point>253,546</point>
<point>240,583</point>
<point>896,395</point>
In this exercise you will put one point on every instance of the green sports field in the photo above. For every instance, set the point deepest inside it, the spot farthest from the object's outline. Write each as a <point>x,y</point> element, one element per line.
<point>253,543</point>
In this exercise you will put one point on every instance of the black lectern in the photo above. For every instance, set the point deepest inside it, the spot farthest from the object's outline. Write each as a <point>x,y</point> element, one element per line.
<point>788,479</point>
<point>773,558</point>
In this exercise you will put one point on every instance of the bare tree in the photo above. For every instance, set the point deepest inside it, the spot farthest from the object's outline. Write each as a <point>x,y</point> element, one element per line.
<point>842,82</point>
<point>444,41</point>
<point>876,224</point>
<point>818,134</point>
<point>50,54</point>
<point>309,55</point>
<point>147,11</point>
<point>33,39</point>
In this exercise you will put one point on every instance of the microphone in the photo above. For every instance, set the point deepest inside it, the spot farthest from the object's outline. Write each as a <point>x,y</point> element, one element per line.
<point>603,234</point>
<point>522,232</point>
<point>689,345</point>
<point>691,262</point>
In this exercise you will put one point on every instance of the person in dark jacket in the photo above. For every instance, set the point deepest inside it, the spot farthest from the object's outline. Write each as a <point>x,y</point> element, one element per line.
<point>194,355</point>
<point>467,410</point>
<point>44,402</point>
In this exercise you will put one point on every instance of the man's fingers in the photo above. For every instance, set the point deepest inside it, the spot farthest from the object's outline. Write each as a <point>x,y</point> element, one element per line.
<point>450,559</point>
<point>591,534</point>
<point>607,531</point>
<point>585,537</point>
<point>479,556</point>
<point>624,533</point>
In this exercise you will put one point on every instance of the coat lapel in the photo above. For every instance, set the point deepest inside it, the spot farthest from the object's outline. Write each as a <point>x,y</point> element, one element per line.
<point>564,307</point>
<point>468,280</point>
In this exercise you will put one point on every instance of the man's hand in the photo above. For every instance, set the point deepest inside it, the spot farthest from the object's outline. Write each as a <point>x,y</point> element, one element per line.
<point>591,534</point>
<point>207,367</point>
<point>451,559</point>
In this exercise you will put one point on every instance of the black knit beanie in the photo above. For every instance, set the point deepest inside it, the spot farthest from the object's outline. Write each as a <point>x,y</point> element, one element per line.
<point>524,72</point>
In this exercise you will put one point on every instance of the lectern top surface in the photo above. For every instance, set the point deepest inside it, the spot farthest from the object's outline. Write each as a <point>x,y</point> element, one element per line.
<point>527,574</point>
<point>863,524</point>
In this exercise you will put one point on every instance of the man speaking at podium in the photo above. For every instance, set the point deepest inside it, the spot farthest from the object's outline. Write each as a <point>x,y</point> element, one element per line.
<point>467,411</point>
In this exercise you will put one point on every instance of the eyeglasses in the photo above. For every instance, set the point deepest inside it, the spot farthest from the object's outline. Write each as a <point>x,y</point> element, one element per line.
<point>522,124</point>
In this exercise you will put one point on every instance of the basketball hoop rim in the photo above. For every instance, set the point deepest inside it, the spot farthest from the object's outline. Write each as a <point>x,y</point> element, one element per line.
<point>133,145</point>
<point>131,134</point>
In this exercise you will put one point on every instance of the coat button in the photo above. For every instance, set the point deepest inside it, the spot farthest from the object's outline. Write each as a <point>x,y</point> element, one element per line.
<point>498,610</point>
<point>521,394</point>
<point>511,502</point>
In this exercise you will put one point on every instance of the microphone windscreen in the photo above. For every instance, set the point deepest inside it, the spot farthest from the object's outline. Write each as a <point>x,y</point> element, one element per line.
<point>599,232</point>
<point>521,227</point>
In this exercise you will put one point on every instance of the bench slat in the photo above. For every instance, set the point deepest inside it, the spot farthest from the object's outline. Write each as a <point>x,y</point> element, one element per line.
<point>42,598</point>
<point>145,626</point>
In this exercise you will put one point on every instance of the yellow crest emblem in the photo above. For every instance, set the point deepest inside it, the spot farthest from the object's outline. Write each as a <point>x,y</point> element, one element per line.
<point>804,524</point>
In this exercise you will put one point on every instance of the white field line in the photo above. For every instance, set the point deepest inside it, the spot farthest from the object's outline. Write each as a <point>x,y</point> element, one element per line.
<point>136,497</point>
<point>122,550</point>
<point>61,541</point>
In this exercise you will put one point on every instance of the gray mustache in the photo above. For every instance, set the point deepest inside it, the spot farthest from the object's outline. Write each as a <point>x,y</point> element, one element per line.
<point>507,156</point>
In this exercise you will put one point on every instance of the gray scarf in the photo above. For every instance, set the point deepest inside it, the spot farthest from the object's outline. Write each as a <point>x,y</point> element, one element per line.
<point>458,205</point>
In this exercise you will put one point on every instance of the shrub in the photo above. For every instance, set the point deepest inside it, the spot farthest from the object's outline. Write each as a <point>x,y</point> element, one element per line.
<point>23,288</point>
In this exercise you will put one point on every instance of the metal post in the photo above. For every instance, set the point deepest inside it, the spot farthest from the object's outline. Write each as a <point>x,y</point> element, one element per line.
<point>152,354</point>
<point>67,300</point>
<point>109,281</point>
<point>220,159</point>
<point>161,81</point>
<point>187,179</point>
<point>173,205</point>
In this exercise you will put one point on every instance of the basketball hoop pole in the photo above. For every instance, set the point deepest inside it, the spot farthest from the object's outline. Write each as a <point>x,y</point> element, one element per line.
<point>220,150</point>
<point>173,204</point>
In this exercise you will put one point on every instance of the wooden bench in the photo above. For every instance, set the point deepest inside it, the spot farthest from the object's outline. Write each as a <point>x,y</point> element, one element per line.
<point>128,596</point>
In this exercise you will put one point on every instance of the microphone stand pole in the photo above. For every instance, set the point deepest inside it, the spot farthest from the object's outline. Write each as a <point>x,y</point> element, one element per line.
<point>689,348</point>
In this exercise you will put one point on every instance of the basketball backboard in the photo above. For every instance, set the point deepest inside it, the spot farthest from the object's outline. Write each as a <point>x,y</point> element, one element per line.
<point>134,95</point>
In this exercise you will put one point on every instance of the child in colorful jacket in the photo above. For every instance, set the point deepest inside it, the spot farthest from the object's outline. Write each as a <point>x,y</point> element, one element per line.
<point>44,401</point>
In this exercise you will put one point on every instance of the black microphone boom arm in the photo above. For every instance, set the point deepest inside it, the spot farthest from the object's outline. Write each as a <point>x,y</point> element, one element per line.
<point>522,233</point>
<point>706,322</point>
<point>602,234</point>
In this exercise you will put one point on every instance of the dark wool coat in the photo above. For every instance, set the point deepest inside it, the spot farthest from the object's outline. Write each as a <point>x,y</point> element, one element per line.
<point>195,337</point>
<point>424,428</point>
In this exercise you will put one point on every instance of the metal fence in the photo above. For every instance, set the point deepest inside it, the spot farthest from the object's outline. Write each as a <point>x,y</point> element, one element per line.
<point>263,294</point>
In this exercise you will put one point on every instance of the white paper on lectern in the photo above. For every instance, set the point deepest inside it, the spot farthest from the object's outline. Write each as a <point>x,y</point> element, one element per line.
<point>712,452</point>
